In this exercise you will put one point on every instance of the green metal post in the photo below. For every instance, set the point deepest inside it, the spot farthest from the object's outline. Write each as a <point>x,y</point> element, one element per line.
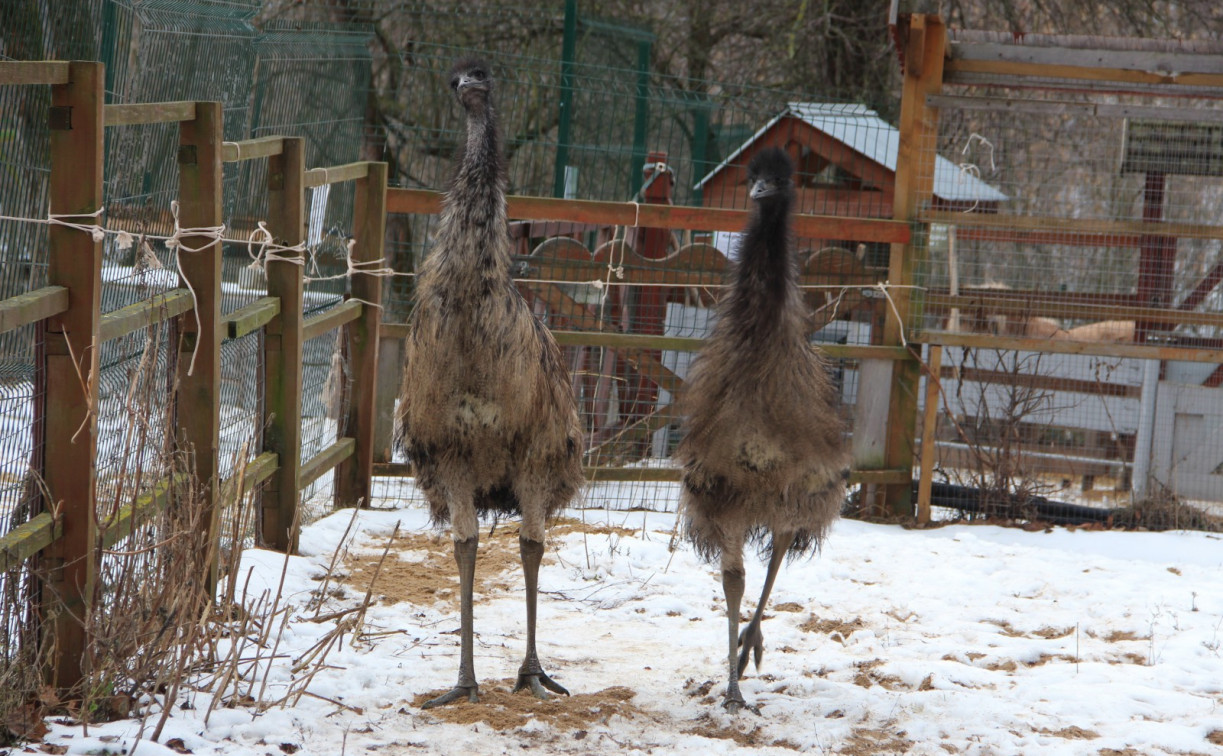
<point>565,121</point>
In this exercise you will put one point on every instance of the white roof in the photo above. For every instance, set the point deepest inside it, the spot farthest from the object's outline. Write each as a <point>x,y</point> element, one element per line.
<point>862,130</point>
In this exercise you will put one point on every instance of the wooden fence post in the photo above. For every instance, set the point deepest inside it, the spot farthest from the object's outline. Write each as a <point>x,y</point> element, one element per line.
<point>923,75</point>
<point>282,349</point>
<point>354,476</point>
<point>199,363</point>
<point>70,469</point>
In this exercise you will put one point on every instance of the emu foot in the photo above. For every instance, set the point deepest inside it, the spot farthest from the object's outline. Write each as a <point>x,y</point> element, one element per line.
<point>470,692</point>
<point>734,703</point>
<point>536,682</point>
<point>751,642</point>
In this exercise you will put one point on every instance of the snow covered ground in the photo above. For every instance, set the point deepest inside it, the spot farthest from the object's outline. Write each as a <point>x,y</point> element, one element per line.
<point>961,640</point>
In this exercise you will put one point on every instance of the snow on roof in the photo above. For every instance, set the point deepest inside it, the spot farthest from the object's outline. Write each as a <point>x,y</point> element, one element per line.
<point>861,129</point>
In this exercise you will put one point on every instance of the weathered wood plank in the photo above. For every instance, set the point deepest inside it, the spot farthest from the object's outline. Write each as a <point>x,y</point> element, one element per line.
<point>1060,346</point>
<point>999,302</point>
<point>70,469</point>
<point>354,477</point>
<point>252,317</point>
<point>26,540</point>
<point>1154,62</point>
<point>199,359</point>
<point>251,149</point>
<point>325,322</point>
<point>1080,226</point>
<point>1021,106</point>
<point>258,470</point>
<point>929,425</point>
<point>336,174</point>
<point>32,307</point>
<point>328,458</point>
<point>660,216</point>
<point>282,349</point>
<point>154,310</point>
<point>148,112</point>
<point>1084,73</point>
<point>33,72</point>
<point>131,517</point>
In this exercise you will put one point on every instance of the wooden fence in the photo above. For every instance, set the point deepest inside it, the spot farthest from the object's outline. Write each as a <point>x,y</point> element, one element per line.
<point>68,310</point>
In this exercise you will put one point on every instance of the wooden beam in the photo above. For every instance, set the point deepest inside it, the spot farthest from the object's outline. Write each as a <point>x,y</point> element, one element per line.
<point>325,460</point>
<point>1060,346</point>
<point>252,317</point>
<point>251,149</point>
<point>151,311</point>
<point>1021,106</point>
<point>199,359</point>
<point>354,477</point>
<point>27,539</point>
<point>999,302</point>
<point>1101,227</point>
<point>1082,73</point>
<point>914,182</point>
<point>149,112</point>
<point>659,216</point>
<point>72,347</point>
<point>34,72</point>
<point>325,322</point>
<point>336,174</point>
<point>282,352</point>
<point>929,425</point>
<point>144,508</point>
<point>258,471</point>
<point>32,307</point>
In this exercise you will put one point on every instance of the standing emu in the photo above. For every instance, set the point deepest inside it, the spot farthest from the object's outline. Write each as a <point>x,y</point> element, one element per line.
<point>487,413</point>
<point>763,450</point>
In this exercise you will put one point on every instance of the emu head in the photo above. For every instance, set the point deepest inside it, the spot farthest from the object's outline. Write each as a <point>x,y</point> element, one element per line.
<point>472,83</point>
<point>769,174</point>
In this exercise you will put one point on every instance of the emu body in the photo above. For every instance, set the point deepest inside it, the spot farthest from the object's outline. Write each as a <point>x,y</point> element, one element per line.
<point>487,413</point>
<point>763,453</point>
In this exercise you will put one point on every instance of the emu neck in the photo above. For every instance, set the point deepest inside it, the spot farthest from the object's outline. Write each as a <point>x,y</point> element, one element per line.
<point>766,278</point>
<point>475,205</point>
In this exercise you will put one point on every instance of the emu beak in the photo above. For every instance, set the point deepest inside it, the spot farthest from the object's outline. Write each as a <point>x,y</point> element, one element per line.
<point>762,188</point>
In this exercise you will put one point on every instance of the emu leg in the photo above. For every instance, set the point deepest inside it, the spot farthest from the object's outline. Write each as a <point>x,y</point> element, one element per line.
<point>531,675</point>
<point>465,556</point>
<point>732,586</point>
<point>752,641</point>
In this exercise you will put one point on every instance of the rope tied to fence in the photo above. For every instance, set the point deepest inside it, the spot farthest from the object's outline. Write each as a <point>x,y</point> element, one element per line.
<point>214,236</point>
<point>94,230</point>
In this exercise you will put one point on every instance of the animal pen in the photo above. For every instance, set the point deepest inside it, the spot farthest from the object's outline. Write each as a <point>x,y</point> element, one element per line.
<point>1016,286</point>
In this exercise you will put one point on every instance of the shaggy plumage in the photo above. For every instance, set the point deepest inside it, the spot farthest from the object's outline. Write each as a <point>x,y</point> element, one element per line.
<point>487,413</point>
<point>763,452</point>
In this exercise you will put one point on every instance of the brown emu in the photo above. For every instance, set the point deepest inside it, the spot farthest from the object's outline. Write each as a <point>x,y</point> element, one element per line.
<point>487,413</point>
<point>763,452</point>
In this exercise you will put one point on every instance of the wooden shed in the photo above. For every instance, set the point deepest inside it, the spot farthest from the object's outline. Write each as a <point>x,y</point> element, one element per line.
<point>845,156</point>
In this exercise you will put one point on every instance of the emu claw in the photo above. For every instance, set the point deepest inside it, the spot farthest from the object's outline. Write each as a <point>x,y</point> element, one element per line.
<point>751,641</point>
<point>536,682</point>
<point>735,704</point>
<point>472,693</point>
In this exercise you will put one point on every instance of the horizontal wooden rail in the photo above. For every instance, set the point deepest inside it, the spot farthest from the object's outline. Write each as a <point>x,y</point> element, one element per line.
<point>652,474</point>
<point>1161,62</point>
<point>32,307</point>
<point>1061,346</point>
<point>1000,304</point>
<point>258,470</point>
<point>325,460</point>
<point>1023,106</point>
<point>250,149</point>
<point>1023,69</point>
<point>660,216</point>
<point>1079,226</point>
<point>27,539</point>
<point>33,72</point>
<point>146,506</point>
<point>154,310</point>
<point>330,320</point>
<point>335,174</point>
<point>679,343</point>
<point>148,112</point>
<point>252,317</point>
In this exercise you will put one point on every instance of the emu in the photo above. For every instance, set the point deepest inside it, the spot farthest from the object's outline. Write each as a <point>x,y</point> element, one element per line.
<point>763,453</point>
<point>487,413</point>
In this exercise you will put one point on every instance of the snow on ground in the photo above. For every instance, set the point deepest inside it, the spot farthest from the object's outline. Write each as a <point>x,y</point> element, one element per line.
<point>962,639</point>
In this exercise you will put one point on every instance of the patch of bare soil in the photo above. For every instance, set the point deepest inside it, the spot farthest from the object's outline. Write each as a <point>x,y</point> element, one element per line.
<point>867,675</point>
<point>837,629</point>
<point>871,742</point>
<point>1216,737</point>
<point>420,568</point>
<point>502,710</point>
<point>754,737</point>
<point>1117,636</point>
<point>566,525</point>
<point>788,606</point>
<point>1053,633</point>
<point>1071,733</point>
<point>1115,752</point>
